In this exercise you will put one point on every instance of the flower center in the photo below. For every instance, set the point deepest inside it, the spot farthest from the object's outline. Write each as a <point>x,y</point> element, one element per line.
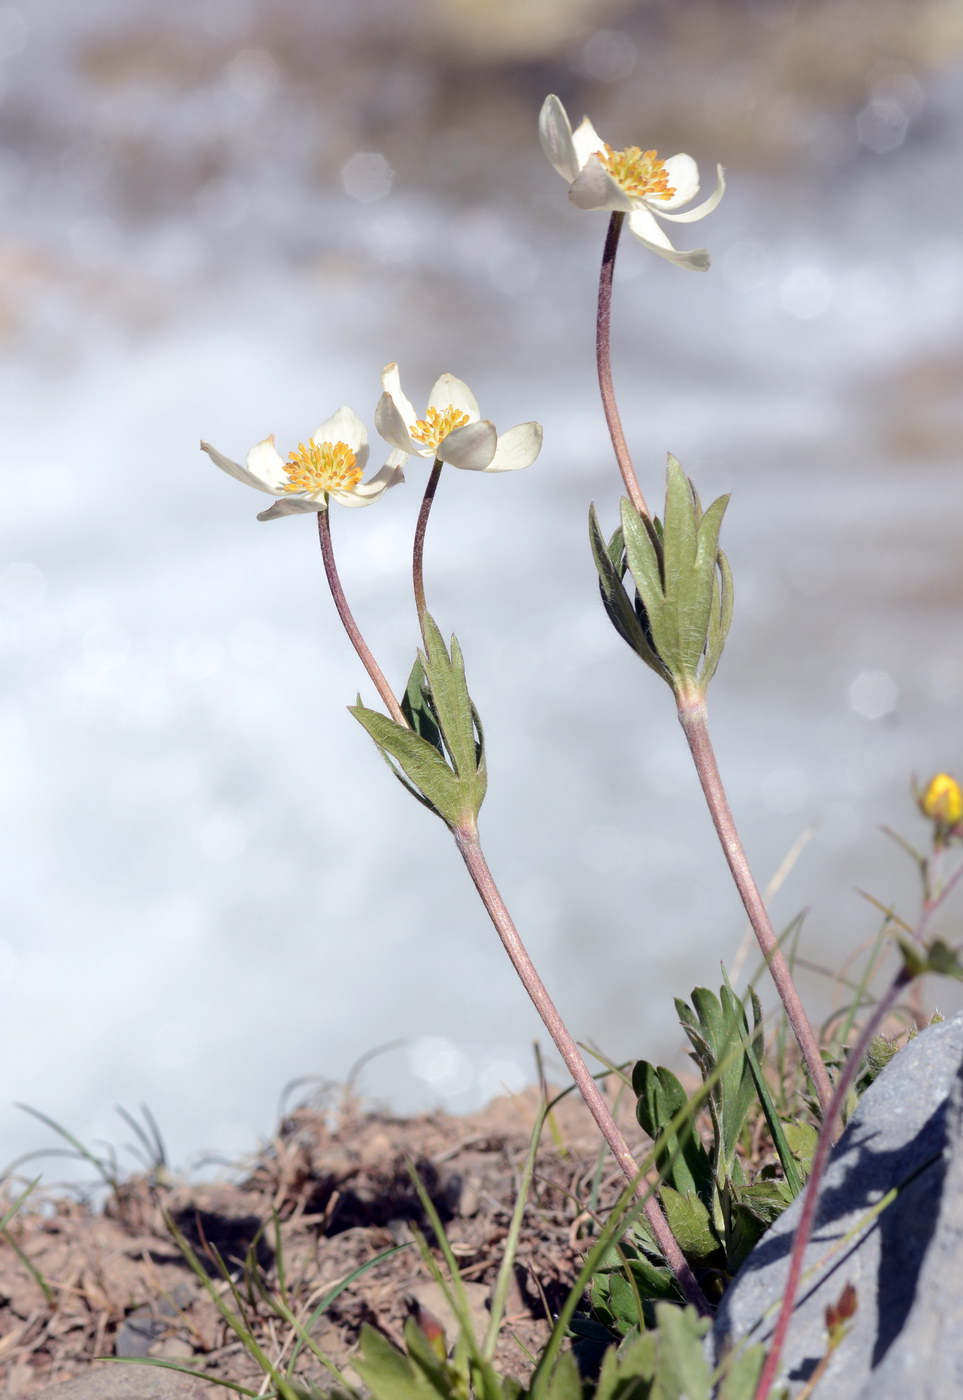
<point>322,466</point>
<point>437,424</point>
<point>640,173</point>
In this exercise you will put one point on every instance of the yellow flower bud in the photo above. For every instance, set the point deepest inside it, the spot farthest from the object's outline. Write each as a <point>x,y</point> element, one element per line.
<point>942,800</point>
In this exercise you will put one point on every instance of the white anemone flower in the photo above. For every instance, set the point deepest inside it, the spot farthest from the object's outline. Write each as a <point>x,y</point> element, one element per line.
<point>331,464</point>
<point>632,181</point>
<point>452,428</point>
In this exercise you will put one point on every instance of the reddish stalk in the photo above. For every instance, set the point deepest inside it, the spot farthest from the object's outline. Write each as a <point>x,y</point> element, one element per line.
<point>692,714</point>
<point>468,844</point>
<point>418,553</point>
<point>603,354</point>
<point>350,626</point>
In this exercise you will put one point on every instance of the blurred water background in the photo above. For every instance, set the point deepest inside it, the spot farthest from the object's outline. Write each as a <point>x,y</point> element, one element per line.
<point>221,219</point>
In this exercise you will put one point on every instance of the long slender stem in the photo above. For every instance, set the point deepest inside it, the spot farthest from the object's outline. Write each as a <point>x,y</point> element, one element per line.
<point>807,1215</point>
<point>603,351</point>
<point>418,553</point>
<point>473,856</point>
<point>350,626</point>
<point>692,713</point>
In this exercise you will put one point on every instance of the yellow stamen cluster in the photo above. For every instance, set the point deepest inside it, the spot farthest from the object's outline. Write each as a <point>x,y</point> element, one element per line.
<point>433,429</point>
<point>322,466</point>
<point>640,173</point>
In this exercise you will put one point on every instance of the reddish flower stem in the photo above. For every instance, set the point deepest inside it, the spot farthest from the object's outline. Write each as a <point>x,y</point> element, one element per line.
<point>418,553</point>
<point>471,852</point>
<point>603,352</point>
<point>692,714</point>
<point>350,626</point>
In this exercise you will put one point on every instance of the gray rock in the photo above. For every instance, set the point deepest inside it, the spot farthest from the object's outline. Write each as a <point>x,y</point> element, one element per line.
<point>146,1327</point>
<point>132,1382</point>
<point>926,1360</point>
<point>905,1261</point>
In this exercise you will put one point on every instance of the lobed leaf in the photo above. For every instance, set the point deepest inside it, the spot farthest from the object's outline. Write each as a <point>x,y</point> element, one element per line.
<point>610,565</point>
<point>387,1372</point>
<point>720,618</point>
<point>645,565</point>
<point>683,580</point>
<point>680,1156</point>
<point>682,1367</point>
<point>418,709</point>
<point>449,697</point>
<point>419,761</point>
<point>691,1224</point>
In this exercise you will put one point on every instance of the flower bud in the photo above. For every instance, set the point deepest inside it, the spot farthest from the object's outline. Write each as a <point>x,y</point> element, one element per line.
<point>942,801</point>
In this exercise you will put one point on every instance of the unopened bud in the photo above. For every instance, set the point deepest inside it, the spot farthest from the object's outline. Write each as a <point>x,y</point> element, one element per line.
<point>942,801</point>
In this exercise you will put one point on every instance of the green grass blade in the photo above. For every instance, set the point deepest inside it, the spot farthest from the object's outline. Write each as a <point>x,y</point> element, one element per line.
<point>769,1109</point>
<point>304,1329</point>
<point>504,1278</point>
<point>109,1178</point>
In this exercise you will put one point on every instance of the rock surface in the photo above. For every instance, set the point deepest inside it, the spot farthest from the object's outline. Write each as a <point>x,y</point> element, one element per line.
<point>904,1260</point>
<point>131,1383</point>
<point>927,1359</point>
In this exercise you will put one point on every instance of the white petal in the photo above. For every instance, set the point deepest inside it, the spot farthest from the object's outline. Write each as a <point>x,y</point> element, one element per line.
<point>555,134</point>
<point>701,210</point>
<point>292,505</point>
<point>471,447</point>
<point>683,176</point>
<point>266,463</point>
<point>647,231</point>
<point>449,392</point>
<point>587,142</point>
<point>345,426</point>
<point>234,469</point>
<point>389,475</point>
<point>391,384</point>
<point>595,189</point>
<point>517,448</point>
<point>393,427</point>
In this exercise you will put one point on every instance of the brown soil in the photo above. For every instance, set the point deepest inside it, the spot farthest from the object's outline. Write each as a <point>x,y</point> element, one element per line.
<point>330,1193</point>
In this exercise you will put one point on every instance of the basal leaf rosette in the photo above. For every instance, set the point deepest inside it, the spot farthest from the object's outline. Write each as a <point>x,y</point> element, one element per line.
<point>679,618</point>
<point>452,428</point>
<point>629,181</point>
<point>330,465</point>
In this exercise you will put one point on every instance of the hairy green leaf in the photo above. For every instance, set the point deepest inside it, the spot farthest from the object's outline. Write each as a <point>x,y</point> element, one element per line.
<point>682,1370</point>
<point>610,565</point>
<point>720,618</point>
<point>680,1157</point>
<point>387,1372</point>
<point>450,699</point>
<point>690,1222</point>
<point>420,762</point>
<point>418,709</point>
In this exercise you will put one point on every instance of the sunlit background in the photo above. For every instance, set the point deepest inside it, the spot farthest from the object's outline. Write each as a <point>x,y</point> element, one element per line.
<point>222,218</point>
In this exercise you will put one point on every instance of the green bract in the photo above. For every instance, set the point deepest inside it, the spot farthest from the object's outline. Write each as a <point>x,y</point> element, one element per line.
<point>440,758</point>
<point>681,613</point>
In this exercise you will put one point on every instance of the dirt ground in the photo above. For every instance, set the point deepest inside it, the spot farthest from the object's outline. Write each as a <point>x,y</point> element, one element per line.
<point>81,1279</point>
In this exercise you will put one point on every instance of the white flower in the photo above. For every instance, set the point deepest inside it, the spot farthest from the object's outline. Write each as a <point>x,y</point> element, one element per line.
<point>331,464</point>
<point>452,428</point>
<point>633,181</point>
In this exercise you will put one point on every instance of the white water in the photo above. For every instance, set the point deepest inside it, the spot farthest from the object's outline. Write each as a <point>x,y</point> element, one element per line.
<point>213,886</point>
